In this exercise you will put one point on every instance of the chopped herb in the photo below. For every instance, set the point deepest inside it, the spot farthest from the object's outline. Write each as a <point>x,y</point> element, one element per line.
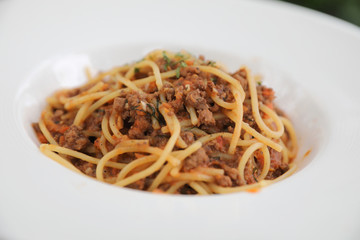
<point>213,79</point>
<point>166,58</point>
<point>157,105</point>
<point>177,72</point>
<point>153,114</point>
<point>255,169</point>
<point>134,107</point>
<point>136,70</point>
<point>182,65</point>
<point>259,83</point>
<point>151,107</point>
<point>141,110</point>
<point>211,63</point>
<point>182,58</point>
<point>179,55</point>
<point>167,61</point>
<point>160,118</point>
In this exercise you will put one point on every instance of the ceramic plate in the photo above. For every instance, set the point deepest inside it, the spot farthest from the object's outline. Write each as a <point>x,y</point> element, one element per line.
<point>310,59</point>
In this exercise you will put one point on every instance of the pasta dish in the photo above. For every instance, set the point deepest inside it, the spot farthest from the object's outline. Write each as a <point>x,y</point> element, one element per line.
<point>171,123</point>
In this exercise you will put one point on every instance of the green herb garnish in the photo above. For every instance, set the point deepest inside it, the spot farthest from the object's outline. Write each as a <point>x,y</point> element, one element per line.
<point>136,70</point>
<point>134,107</point>
<point>167,61</point>
<point>153,114</point>
<point>177,71</point>
<point>182,65</point>
<point>179,55</point>
<point>211,63</point>
<point>160,118</point>
<point>255,169</point>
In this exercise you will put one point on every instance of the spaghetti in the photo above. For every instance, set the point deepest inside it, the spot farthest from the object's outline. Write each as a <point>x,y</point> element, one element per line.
<point>170,123</point>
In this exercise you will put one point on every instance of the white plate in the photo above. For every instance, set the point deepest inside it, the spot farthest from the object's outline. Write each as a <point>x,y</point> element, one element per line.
<point>312,61</point>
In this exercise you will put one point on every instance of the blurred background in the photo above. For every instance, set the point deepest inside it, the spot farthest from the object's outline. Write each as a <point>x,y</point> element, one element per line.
<point>348,10</point>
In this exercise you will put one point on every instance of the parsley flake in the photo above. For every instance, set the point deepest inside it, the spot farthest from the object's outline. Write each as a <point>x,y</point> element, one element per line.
<point>211,63</point>
<point>255,169</point>
<point>179,55</point>
<point>182,65</point>
<point>177,71</point>
<point>167,61</point>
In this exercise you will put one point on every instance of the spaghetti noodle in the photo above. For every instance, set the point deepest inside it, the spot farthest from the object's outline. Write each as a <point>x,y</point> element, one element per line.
<point>170,123</point>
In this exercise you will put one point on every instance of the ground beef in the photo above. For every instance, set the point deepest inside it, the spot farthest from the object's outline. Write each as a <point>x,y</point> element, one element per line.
<point>234,175</point>
<point>196,99</point>
<point>93,122</point>
<point>206,117</point>
<point>248,117</point>
<point>265,95</point>
<point>274,173</point>
<point>189,71</point>
<point>275,158</point>
<point>74,139</point>
<point>225,123</point>
<point>119,104</point>
<point>140,126</point>
<point>250,174</point>
<point>188,137</point>
<point>56,118</point>
<point>197,82</point>
<point>135,111</point>
<point>241,76</point>
<point>87,168</point>
<point>178,103</point>
<point>168,91</point>
<point>137,185</point>
<point>213,107</point>
<point>134,98</point>
<point>198,158</point>
<point>158,139</point>
<point>219,144</point>
<point>224,91</point>
<point>223,181</point>
<point>231,172</point>
<point>186,189</point>
<point>110,172</point>
<point>211,85</point>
